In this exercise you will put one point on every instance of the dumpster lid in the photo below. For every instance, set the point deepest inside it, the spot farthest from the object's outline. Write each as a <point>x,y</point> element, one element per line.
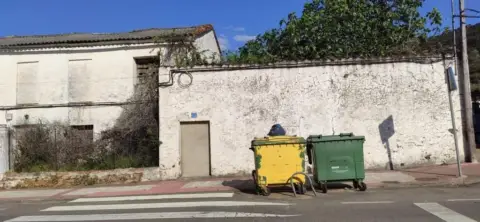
<point>340,137</point>
<point>277,140</point>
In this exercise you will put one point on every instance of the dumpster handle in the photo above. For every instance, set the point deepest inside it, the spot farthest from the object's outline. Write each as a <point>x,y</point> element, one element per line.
<point>309,180</point>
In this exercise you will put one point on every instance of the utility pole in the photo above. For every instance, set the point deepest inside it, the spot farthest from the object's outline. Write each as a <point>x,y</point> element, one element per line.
<point>465,91</point>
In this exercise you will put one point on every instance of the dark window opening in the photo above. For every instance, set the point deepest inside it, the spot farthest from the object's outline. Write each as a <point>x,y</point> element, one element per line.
<point>81,134</point>
<point>146,67</point>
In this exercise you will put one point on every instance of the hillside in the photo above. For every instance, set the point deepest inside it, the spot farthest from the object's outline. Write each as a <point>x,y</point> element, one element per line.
<point>473,40</point>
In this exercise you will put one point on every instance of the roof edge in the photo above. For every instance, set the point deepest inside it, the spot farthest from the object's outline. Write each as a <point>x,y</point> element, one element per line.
<point>70,40</point>
<point>308,63</point>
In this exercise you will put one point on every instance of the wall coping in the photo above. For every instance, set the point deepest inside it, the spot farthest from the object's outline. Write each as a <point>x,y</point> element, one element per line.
<point>310,63</point>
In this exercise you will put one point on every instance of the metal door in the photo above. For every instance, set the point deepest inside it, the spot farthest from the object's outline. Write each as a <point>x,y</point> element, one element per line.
<point>195,149</point>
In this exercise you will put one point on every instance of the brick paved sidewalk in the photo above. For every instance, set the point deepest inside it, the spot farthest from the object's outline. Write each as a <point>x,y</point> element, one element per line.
<point>423,176</point>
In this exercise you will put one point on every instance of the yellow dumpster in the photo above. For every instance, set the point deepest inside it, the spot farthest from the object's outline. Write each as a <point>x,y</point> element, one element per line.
<point>276,160</point>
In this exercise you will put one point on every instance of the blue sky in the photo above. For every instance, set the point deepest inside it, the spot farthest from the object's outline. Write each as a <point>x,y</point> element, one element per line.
<point>235,21</point>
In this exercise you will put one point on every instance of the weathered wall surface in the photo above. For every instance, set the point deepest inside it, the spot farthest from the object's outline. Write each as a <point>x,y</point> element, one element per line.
<point>63,77</point>
<point>70,179</point>
<point>401,107</point>
<point>4,148</point>
<point>110,76</point>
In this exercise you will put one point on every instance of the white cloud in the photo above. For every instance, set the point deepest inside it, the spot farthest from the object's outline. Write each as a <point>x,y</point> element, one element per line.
<point>235,29</point>
<point>223,41</point>
<point>239,29</point>
<point>244,38</point>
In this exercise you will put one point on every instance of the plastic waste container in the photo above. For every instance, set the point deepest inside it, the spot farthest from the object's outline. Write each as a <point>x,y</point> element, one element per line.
<point>277,158</point>
<point>337,158</point>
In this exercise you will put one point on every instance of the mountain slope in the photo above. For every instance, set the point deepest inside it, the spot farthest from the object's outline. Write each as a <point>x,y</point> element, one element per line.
<point>473,41</point>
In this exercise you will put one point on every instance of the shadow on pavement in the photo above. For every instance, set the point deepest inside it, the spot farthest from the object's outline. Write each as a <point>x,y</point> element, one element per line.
<point>336,186</point>
<point>244,186</point>
<point>247,186</point>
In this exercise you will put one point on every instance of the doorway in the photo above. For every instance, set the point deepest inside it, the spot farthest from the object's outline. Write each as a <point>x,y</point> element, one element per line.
<point>195,149</point>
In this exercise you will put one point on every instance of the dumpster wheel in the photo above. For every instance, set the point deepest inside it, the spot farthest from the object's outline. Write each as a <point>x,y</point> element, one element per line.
<point>302,189</point>
<point>323,187</point>
<point>260,190</point>
<point>361,186</point>
<point>302,186</point>
<point>265,191</point>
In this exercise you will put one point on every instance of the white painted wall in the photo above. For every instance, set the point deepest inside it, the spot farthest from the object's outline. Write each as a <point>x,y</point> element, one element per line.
<point>209,42</point>
<point>243,104</point>
<point>111,78</point>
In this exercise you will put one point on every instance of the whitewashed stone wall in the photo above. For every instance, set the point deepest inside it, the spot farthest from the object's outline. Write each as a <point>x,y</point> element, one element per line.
<point>110,78</point>
<point>327,99</point>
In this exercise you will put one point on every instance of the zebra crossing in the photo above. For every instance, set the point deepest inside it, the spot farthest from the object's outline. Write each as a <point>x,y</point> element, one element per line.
<point>168,206</point>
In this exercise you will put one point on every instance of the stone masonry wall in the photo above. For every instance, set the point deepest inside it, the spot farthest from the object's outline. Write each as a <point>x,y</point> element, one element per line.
<point>400,107</point>
<point>69,179</point>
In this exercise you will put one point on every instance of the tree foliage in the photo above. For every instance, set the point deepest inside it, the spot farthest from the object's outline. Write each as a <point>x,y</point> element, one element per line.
<point>473,43</point>
<point>342,29</point>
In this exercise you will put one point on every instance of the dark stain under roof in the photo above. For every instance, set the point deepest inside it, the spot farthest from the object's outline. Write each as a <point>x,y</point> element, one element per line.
<point>93,39</point>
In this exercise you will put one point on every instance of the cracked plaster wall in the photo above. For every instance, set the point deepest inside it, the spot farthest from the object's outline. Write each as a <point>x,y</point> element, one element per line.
<point>243,104</point>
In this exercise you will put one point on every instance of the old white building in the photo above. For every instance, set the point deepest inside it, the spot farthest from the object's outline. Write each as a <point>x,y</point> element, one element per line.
<point>78,78</point>
<point>209,115</point>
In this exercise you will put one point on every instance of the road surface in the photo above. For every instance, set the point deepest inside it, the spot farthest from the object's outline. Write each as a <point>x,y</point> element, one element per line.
<point>408,204</point>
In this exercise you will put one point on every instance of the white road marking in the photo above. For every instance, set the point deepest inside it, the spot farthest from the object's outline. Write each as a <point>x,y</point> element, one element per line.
<point>444,213</point>
<point>163,205</point>
<point>154,197</point>
<point>143,216</point>
<point>459,200</point>
<point>369,202</point>
<point>198,184</point>
<point>2,209</point>
<point>93,190</point>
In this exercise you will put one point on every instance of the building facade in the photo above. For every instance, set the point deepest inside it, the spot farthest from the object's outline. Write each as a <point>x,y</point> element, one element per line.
<point>79,79</point>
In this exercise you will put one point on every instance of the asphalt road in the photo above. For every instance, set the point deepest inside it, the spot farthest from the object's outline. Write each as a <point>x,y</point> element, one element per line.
<point>407,204</point>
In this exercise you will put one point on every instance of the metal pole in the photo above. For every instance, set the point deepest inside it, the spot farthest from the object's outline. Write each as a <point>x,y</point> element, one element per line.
<point>452,115</point>
<point>465,91</point>
<point>455,66</point>
<point>454,37</point>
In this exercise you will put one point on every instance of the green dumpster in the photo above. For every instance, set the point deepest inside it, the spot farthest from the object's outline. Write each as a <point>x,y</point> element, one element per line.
<point>337,158</point>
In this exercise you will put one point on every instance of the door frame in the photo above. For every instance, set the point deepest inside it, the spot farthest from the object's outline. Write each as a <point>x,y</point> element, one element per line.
<point>209,144</point>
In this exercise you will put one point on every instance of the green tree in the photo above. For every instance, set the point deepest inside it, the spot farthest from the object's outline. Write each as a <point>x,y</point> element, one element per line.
<point>473,42</point>
<point>474,63</point>
<point>342,29</point>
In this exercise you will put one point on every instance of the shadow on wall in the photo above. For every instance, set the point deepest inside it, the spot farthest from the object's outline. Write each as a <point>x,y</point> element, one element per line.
<point>387,130</point>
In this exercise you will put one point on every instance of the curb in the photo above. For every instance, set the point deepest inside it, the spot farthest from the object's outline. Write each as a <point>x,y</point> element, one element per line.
<point>451,183</point>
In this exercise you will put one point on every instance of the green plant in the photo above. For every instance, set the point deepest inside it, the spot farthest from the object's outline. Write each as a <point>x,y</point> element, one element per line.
<point>343,29</point>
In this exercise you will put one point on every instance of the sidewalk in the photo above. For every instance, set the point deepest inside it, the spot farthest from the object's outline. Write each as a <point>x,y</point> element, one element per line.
<point>424,176</point>
<point>444,175</point>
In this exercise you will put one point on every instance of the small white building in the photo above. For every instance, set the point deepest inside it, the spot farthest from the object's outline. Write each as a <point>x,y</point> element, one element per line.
<point>79,78</point>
